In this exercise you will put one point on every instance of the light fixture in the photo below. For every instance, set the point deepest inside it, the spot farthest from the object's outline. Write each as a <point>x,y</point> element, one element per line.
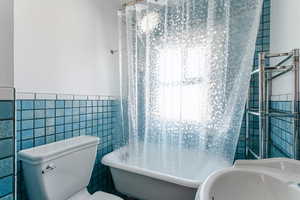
<point>149,22</point>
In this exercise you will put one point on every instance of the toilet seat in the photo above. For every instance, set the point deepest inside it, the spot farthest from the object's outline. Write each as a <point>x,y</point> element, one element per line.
<point>104,196</point>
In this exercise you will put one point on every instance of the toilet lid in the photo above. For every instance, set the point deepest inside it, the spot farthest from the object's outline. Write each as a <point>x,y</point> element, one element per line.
<point>104,196</point>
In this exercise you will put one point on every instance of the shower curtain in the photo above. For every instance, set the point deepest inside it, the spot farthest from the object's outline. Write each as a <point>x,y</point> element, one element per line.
<point>185,74</point>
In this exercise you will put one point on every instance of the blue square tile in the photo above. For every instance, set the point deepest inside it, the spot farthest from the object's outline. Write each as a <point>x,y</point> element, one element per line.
<point>40,104</point>
<point>82,131</point>
<point>27,134</point>
<point>18,135</point>
<point>60,137</point>
<point>6,109</point>
<point>39,141</point>
<point>60,104</point>
<point>94,103</point>
<point>27,105</point>
<point>95,109</point>
<point>27,114</point>
<point>68,111</point>
<point>59,129</point>
<point>39,123</point>
<point>89,103</point>
<point>76,104</point>
<point>89,117</point>
<point>6,166</point>
<point>76,133</point>
<point>89,110</point>
<point>76,118</point>
<point>18,146</point>
<point>6,185</point>
<point>59,120</point>
<point>82,110</point>
<point>18,125</point>
<point>18,104</point>
<point>50,104</point>
<point>50,139</point>
<point>75,111</point>
<point>6,129</point>
<point>50,130</point>
<point>89,123</point>
<point>27,124</point>
<point>83,118</point>
<point>75,126</point>
<point>59,112</point>
<point>6,147</point>
<point>95,116</point>
<point>26,144</point>
<point>18,115</point>
<point>50,121</point>
<point>68,135</point>
<point>50,113</point>
<point>68,104</point>
<point>68,127</point>
<point>88,131</point>
<point>83,103</point>
<point>39,114</point>
<point>82,124</point>
<point>39,132</point>
<point>68,119</point>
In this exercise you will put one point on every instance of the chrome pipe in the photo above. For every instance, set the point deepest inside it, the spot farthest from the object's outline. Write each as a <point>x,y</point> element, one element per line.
<point>268,83</point>
<point>281,73</point>
<point>255,71</point>
<point>285,71</point>
<point>262,85</point>
<point>284,60</point>
<point>254,113</point>
<point>265,92</point>
<point>296,55</point>
<point>254,154</point>
<point>247,125</point>
<point>272,55</point>
<point>282,67</point>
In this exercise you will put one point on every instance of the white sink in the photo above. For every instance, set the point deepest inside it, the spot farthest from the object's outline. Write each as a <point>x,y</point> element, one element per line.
<point>269,179</point>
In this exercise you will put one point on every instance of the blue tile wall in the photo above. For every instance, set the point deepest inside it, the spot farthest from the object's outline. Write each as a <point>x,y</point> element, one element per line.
<point>280,128</point>
<point>262,45</point>
<point>7,159</point>
<point>281,131</point>
<point>241,147</point>
<point>44,121</point>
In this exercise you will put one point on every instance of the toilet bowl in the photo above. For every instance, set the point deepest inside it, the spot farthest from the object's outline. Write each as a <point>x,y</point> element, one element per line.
<point>62,170</point>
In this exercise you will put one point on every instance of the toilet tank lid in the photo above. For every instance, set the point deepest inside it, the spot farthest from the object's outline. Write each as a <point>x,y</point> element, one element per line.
<point>44,153</point>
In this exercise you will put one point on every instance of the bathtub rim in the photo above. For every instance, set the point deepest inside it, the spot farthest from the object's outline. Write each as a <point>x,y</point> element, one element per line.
<point>109,159</point>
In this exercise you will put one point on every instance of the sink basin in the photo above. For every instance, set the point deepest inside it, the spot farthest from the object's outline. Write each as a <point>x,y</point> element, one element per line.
<point>269,179</point>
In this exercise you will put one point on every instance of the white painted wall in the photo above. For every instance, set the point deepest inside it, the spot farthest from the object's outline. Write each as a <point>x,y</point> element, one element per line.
<point>63,46</point>
<point>285,36</point>
<point>6,43</point>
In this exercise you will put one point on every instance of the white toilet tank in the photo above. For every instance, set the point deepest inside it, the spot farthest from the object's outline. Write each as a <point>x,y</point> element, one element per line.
<point>59,170</point>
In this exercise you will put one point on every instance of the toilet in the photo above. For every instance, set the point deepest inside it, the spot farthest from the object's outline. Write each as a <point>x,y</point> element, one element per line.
<point>62,170</point>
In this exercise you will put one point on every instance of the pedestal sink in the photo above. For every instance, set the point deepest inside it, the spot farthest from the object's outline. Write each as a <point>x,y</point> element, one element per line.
<point>269,179</point>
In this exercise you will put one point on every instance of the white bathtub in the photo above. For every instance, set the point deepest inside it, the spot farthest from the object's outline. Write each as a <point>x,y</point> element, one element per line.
<point>177,178</point>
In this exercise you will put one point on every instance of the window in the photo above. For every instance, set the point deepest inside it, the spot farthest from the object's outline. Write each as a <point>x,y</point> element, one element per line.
<point>183,84</point>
